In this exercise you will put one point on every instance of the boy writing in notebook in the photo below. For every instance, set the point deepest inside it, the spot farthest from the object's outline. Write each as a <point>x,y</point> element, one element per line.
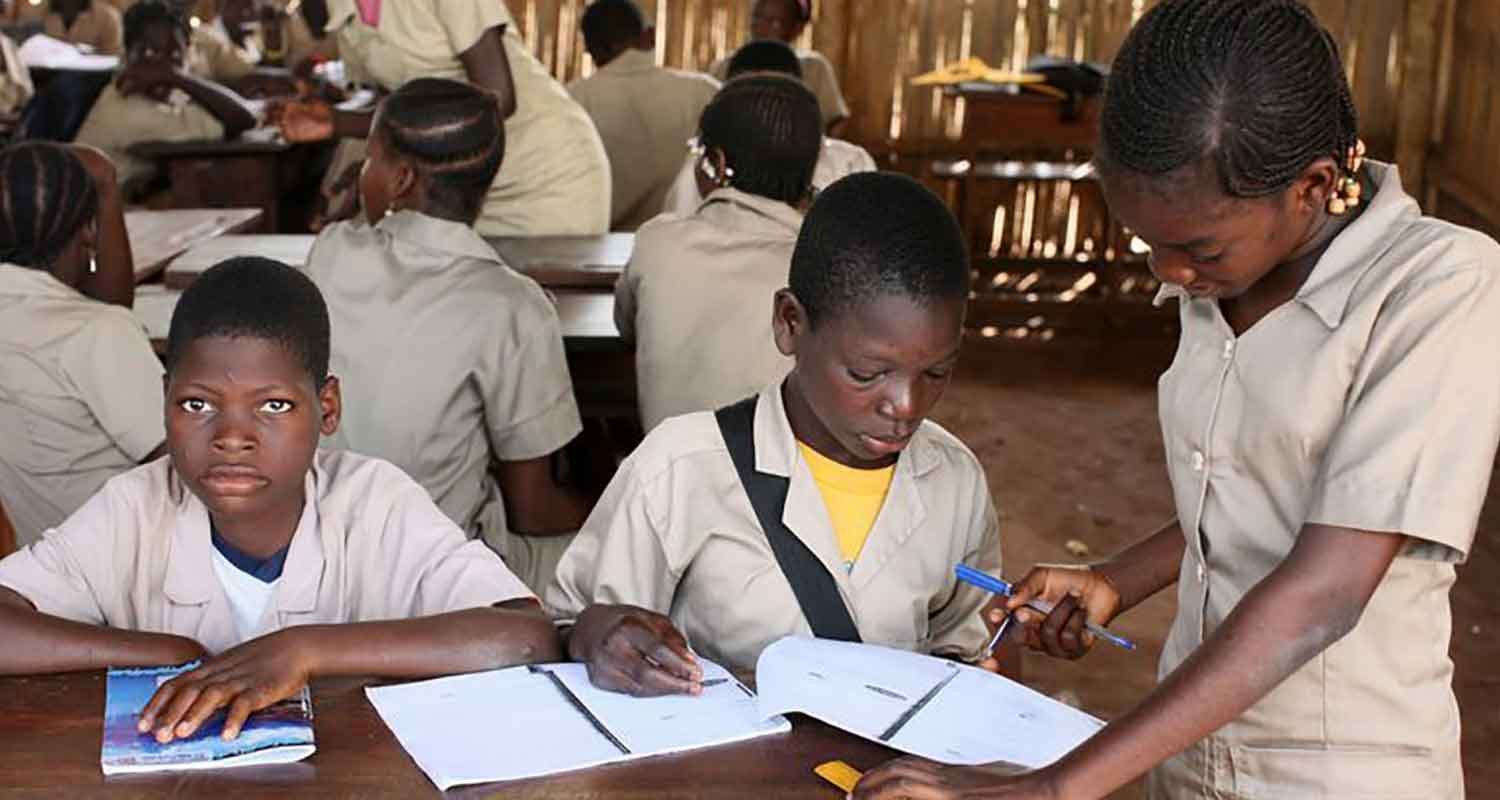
<point>884,502</point>
<point>250,548</point>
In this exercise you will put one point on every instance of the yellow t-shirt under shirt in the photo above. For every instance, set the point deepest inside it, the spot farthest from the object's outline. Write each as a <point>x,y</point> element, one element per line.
<point>853,497</point>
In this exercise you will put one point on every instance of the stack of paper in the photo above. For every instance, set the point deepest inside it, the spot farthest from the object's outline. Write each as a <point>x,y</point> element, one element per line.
<point>526,722</point>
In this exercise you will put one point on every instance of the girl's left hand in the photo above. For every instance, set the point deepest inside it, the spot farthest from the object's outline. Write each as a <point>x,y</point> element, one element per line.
<point>913,778</point>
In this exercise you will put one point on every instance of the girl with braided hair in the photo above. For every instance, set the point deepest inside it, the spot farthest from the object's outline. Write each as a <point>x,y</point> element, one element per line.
<point>1330,423</point>
<point>80,389</point>
<point>479,427</point>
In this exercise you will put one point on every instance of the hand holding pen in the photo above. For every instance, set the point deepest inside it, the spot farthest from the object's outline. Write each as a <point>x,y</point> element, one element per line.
<point>1062,609</point>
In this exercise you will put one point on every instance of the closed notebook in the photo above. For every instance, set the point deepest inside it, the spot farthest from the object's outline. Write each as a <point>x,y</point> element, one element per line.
<point>280,734</point>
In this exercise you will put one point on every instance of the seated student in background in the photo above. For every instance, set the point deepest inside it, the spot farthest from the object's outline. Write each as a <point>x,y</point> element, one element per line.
<point>250,548</point>
<point>784,21</point>
<point>80,389</point>
<point>695,295</point>
<point>837,158</point>
<point>248,39</point>
<point>1330,421</point>
<point>644,113</point>
<point>94,24</point>
<point>16,88</point>
<point>456,359</point>
<point>555,180</point>
<point>154,99</point>
<point>885,500</point>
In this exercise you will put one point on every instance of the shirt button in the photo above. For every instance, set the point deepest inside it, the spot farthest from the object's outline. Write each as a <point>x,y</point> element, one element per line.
<point>1228,349</point>
<point>1198,460</point>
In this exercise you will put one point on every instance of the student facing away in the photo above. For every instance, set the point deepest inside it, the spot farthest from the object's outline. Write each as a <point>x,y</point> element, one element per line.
<point>95,24</point>
<point>784,21</point>
<point>885,501</point>
<point>1330,426</point>
<point>836,159</point>
<point>694,294</point>
<point>645,114</point>
<point>248,547</point>
<point>456,359</point>
<point>153,98</point>
<point>80,389</point>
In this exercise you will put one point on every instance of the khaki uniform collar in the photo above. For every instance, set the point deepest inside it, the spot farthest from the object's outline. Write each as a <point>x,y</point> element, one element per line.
<point>632,60</point>
<point>774,210</point>
<point>776,444</point>
<point>441,235</point>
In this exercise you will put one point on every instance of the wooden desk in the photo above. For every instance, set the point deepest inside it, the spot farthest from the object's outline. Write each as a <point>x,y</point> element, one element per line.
<point>568,262</point>
<point>224,174</point>
<point>289,249</point>
<point>50,731</point>
<point>156,237</point>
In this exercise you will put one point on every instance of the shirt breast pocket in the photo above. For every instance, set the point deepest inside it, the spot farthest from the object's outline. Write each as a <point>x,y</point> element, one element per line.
<point>1334,772</point>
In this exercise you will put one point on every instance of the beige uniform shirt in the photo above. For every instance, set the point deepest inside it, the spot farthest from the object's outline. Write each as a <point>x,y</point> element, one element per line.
<point>819,76</point>
<point>645,115</point>
<point>447,357</point>
<point>675,533</point>
<point>15,79</point>
<point>370,546</point>
<point>212,55</point>
<point>1369,401</point>
<point>837,159</point>
<point>696,296</point>
<point>116,122</point>
<point>80,398</point>
<point>554,180</point>
<point>99,26</point>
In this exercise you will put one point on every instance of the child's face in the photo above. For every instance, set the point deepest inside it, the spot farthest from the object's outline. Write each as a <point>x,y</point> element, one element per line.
<point>161,41</point>
<point>775,19</point>
<point>243,419</point>
<point>869,376</point>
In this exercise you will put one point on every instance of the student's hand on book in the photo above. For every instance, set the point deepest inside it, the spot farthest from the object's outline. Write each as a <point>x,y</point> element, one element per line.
<point>245,679</point>
<point>1078,594</point>
<point>913,778</point>
<point>635,651</point>
<point>305,122</point>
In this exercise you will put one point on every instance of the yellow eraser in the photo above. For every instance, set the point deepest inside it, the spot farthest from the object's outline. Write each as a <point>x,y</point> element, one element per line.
<point>839,774</point>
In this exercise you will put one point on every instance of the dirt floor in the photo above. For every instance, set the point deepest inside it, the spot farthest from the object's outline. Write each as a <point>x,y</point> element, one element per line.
<point>1069,438</point>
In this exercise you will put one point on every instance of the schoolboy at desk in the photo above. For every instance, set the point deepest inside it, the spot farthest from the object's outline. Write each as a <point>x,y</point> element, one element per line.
<point>884,501</point>
<point>250,548</point>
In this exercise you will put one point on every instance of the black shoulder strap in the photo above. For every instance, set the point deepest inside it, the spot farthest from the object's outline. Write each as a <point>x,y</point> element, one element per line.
<point>812,584</point>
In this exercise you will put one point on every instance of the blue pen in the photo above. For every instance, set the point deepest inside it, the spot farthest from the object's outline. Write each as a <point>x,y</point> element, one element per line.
<point>990,583</point>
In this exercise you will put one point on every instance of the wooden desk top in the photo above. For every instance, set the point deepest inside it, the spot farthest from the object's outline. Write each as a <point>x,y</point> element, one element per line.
<point>203,148</point>
<point>156,237</point>
<point>51,729</point>
<point>572,262</point>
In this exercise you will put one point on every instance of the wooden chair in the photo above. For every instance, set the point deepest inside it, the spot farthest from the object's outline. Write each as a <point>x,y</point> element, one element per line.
<point>7,534</point>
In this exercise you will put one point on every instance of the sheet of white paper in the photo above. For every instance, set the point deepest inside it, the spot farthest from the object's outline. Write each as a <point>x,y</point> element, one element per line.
<point>153,308</point>
<point>976,718</point>
<point>44,52</point>
<point>514,723</point>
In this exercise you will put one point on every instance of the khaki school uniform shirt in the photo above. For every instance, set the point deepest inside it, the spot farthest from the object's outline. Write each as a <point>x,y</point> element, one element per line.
<point>819,76</point>
<point>696,298</point>
<point>645,115</point>
<point>554,179</point>
<point>370,545</point>
<point>447,357</point>
<point>80,398</point>
<point>1369,401</point>
<point>675,533</point>
<point>116,122</point>
<point>99,26</point>
<point>15,79</point>
<point>212,55</point>
<point>837,159</point>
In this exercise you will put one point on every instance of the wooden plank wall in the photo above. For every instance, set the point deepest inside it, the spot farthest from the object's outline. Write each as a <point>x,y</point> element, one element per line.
<point>1465,159</point>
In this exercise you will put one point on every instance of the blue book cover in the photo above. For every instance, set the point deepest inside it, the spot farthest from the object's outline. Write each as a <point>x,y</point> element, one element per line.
<point>279,734</point>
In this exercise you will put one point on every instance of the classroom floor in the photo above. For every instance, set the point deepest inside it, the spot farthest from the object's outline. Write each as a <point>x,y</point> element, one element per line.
<point>1069,438</point>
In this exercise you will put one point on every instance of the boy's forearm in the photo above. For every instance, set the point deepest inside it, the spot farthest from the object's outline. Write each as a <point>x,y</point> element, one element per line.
<point>1146,567</point>
<point>445,644</point>
<point>232,111</point>
<point>37,643</point>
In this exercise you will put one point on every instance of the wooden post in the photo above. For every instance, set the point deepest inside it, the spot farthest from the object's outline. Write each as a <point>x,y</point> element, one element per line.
<point>1419,102</point>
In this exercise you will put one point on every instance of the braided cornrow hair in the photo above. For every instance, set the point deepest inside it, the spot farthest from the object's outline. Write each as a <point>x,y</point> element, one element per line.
<point>46,196</point>
<point>1255,85</point>
<point>453,133</point>
<point>771,132</point>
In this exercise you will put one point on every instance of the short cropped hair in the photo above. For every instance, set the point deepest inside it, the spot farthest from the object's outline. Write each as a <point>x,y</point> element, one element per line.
<point>874,234</point>
<point>765,55</point>
<point>608,24</point>
<point>258,298</point>
<point>452,131</point>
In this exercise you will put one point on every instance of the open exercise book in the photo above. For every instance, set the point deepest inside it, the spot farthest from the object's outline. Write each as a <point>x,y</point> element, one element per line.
<point>929,707</point>
<point>525,722</point>
<point>280,734</point>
